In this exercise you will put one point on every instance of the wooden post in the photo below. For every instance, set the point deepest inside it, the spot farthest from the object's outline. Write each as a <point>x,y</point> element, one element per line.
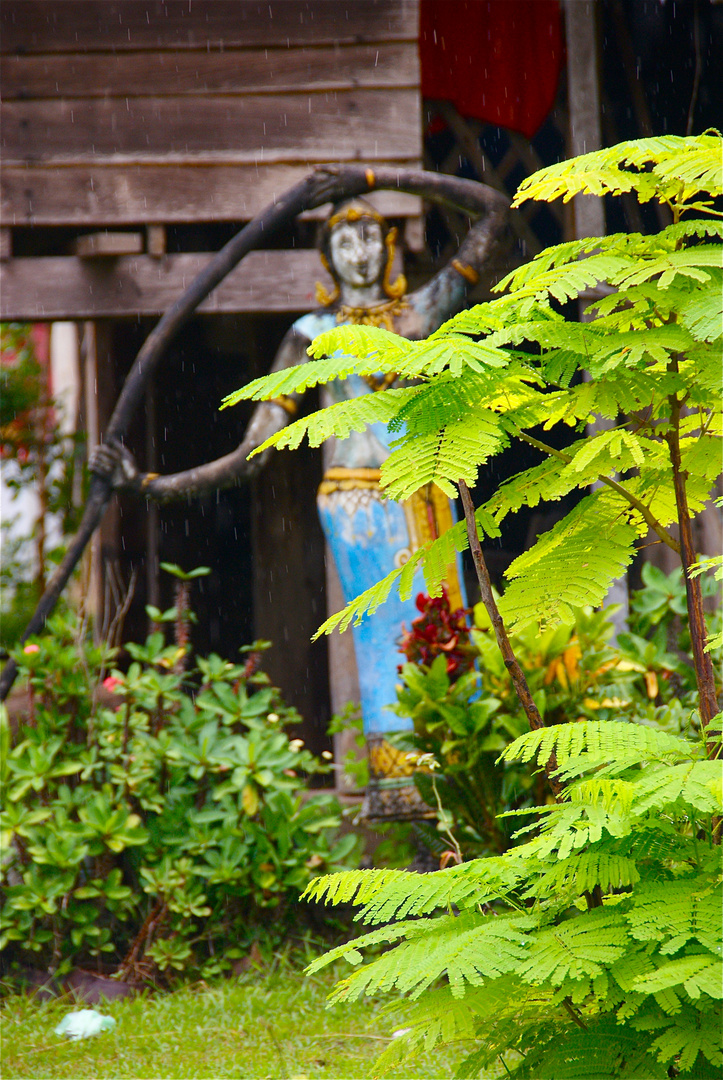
<point>93,571</point>
<point>583,88</point>
<point>583,80</point>
<point>343,675</point>
<point>153,518</point>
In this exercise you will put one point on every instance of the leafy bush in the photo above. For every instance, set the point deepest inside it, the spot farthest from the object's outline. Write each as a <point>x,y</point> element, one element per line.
<point>152,832</point>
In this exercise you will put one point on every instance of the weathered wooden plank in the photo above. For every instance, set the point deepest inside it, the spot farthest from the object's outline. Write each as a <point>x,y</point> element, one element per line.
<point>108,245</point>
<point>383,65</point>
<point>148,194</point>
<point>84,25</point>
<point>319,127</point>
<point>75,288</point>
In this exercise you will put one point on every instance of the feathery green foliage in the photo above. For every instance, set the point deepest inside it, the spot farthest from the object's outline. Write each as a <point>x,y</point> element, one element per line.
<point>491,375</point>
<point>511,947</point>
<point>592,949</point>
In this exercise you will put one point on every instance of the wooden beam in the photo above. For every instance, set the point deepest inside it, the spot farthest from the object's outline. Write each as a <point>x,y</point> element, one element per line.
<point>105,194</point>
<point>355,124</point>
<point>162,73</point>
<point>74,288</point>
<point>33,26</point>
<point>6,243</point>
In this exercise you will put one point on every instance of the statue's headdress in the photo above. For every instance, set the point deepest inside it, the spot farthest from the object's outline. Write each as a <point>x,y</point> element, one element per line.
<point>352,211</point>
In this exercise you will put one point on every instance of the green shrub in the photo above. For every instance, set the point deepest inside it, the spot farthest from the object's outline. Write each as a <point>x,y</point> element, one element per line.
<point>154,833</point>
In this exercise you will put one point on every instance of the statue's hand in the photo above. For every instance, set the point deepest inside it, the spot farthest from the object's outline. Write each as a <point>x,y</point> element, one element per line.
<point>116,464</point>
<point>334,182</point>
<point>326,183</point>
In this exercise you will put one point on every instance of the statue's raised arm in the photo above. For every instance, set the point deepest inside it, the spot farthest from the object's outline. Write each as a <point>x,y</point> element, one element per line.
<point>357,249</point>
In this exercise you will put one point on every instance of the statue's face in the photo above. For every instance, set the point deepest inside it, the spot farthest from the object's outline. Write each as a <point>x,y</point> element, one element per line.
<point>357,252</point>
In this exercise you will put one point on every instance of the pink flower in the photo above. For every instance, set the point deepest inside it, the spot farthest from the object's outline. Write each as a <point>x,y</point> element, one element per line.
<point>111,682</point>
<point>31,649</point>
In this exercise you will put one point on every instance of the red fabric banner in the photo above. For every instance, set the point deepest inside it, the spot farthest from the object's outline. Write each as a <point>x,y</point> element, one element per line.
<point>495,60</point>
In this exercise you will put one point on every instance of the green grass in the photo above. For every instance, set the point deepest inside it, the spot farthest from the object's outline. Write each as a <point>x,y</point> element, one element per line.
<point>269,1023</point>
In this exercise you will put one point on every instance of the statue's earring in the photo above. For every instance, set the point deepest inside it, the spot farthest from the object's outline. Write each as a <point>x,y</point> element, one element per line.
<point>397,290</point>
<point>323,296</point>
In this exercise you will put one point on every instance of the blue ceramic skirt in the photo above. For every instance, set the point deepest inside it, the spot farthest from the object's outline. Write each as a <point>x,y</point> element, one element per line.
<point>369,537</point>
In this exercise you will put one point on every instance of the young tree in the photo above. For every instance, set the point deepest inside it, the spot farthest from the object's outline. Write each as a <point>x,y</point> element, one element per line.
<point>593,948</point>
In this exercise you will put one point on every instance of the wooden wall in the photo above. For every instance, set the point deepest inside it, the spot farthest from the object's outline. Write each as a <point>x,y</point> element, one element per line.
<point>145,113</point>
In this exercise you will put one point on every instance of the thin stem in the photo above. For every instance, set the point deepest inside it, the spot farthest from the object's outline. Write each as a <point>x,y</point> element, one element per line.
<point>704,674</point>
<point>573,1013</point>
<point>651,520</point>
<point>510,660</point>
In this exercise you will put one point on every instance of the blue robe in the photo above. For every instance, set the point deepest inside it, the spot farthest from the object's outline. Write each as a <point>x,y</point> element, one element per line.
<point>369,537</point>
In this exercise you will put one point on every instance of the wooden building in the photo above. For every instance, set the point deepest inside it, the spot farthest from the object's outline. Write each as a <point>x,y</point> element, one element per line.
<point>138,136</point>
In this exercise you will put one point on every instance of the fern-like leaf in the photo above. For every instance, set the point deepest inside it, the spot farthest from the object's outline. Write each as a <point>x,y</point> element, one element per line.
<point>692,164</point>
<point>587,870</point>
<point>572,565</point>
<point>672,915</point>
<point>696,785</point>
<point>387,894</point>
<point>603,740</point>
<point>697,974</point>
<point>339,419</point>
<point>467,949</point>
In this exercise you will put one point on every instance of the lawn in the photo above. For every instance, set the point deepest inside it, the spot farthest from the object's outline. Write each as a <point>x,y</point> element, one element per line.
<point>269,1023</point>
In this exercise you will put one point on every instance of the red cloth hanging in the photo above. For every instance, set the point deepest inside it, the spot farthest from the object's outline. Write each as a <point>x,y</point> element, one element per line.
<point>495,60</point>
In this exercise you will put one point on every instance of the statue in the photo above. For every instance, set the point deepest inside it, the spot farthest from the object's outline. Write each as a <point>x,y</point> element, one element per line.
<point>368,536</point>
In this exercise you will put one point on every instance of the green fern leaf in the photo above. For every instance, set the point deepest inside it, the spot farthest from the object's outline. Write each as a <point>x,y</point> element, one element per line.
<point>702,314</point>
<point>673,915</point>
<point>386,348</point>
<point>368,601</point>
<point>467,949</point>
<point>577,949</point>
<point>451,454</point>
<point>300,377</point>
<point>697,974</point>
<point>381,350</point>
<point>603,740</point>
<point>388,894</point>
<point>352,886</point>
<point>434,558</point>
<point>688,263</point>
<point>681,167</point>
<point>693,228</point>
<point>339,419</point>
<point>572,565</point>
<point>690,1038</point>
<point>692,784</point>
<point>585,871</point>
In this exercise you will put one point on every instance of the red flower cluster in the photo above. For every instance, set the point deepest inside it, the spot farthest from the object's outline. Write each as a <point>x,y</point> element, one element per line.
<point>439,630</point>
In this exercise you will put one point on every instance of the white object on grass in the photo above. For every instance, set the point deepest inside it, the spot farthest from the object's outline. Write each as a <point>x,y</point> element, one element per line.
<point>83,1024</point>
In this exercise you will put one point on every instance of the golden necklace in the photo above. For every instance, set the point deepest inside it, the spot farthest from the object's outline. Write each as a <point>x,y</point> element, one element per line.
<point>379,315</point>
